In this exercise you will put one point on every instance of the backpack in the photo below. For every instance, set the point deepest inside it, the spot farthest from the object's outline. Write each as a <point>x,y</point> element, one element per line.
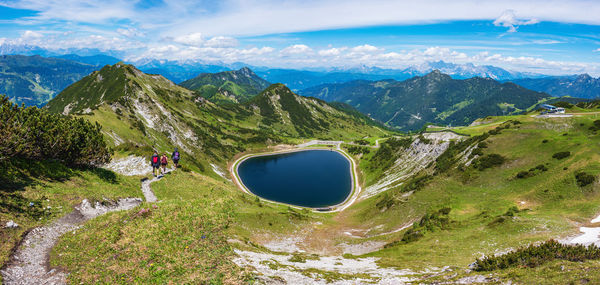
<point>176,156</point>
<point>155,159</point>
<point>163,160</point>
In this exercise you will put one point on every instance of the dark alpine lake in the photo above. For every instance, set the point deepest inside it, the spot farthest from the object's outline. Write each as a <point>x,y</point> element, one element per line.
<point>311,178</point>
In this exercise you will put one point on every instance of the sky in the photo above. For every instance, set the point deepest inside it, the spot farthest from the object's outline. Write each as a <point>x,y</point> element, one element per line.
<point>549,37</point>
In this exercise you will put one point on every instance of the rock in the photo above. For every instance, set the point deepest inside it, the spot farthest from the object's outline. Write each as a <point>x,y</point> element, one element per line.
<point>11,225</point>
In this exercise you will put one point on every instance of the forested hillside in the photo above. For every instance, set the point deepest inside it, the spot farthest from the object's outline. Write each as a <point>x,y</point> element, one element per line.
<point>433,98</point>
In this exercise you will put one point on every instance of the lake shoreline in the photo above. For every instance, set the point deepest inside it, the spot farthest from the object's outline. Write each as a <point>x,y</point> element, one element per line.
<point>350,199</point>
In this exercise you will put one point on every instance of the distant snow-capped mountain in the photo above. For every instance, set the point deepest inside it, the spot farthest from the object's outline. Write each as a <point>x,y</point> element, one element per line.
<point>467,70</point>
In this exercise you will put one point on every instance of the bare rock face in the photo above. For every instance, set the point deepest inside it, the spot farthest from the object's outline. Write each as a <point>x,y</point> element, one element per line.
<point>130,166</point>
<point>417,157</point>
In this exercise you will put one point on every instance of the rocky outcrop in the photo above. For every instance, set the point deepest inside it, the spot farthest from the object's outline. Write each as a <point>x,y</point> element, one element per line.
<point>415,158</point>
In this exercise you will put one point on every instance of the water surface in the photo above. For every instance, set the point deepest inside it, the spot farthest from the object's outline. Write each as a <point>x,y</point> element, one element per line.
<point>311,178</point>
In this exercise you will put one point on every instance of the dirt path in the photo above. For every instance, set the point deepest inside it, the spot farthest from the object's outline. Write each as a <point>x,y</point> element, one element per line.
<point>30,262</point>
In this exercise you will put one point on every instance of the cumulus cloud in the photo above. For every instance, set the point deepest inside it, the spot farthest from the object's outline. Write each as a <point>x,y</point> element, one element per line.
<point>597,50</point>
<point>28,35</point>
<point>365,49</point>
<point>296,50</point>
<point>332,51</point>
<point>222,42</point>
<point>509,20</point>
<point>192,39</point>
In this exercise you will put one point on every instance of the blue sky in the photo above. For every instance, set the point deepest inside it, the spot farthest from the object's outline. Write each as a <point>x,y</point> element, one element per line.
<point>550,37</point>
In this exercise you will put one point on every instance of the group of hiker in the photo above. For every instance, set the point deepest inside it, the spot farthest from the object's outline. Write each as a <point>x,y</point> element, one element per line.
<point>159,163</point>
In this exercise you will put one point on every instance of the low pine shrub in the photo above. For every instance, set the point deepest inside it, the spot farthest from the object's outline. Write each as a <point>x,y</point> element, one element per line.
<point>561,155</point>
<point>584,179</point>
<point>430,222</point>
<point>489,161</point>
<point>536,255</point>
<point>36,134</point>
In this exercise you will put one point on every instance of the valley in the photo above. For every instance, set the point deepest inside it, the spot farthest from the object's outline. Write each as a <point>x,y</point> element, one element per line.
<point>423,207</point>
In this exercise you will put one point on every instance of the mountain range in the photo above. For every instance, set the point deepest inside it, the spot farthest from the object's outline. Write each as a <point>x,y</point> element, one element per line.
<point>580,86</point>
<point>433,98</point>
<point>145,111</point>
<point>227,86</point>
<point>35,80</point>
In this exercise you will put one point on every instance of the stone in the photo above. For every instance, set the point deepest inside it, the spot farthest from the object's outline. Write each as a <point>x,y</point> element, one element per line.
<point>11,224</point>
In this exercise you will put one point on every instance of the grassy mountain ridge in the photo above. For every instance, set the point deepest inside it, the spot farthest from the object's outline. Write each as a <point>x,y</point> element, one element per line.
<point>433,98</point>
<point>140,111</point>
<point>227,86</point>
<point>34,80</point>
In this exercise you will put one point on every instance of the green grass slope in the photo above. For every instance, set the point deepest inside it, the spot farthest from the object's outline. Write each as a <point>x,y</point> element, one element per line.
<point>534,195</point>
<point>36,193</point>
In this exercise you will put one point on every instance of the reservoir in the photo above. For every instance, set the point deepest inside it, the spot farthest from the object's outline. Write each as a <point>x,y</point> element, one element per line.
<point>310,178</point>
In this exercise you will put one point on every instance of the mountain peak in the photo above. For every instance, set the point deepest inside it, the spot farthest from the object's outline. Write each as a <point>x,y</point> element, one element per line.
<point>246,71</point>
<point>227,86</point>
<point>584,76</point>
<point>436,74</point>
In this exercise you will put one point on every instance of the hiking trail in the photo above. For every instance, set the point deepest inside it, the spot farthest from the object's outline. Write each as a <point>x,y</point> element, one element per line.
<point>30,263</point>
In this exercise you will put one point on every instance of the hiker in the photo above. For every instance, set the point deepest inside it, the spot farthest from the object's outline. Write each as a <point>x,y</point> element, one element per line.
<point>163,162</point>
<point>155,162</point>
<point>175,158</point>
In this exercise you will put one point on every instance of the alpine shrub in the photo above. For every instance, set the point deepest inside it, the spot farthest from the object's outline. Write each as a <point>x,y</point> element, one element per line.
<point>584,179</point>
<point>535,255</point>
<point>36,134</point>
<point>489,161</point>
<point>561,155</point>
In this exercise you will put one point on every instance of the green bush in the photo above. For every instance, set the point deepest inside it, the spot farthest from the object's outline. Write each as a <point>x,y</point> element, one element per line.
<point>430,222</point>
<point>358,150</point>
<point>563,104</point>
<point>595,126</point>
<point>424,140</point>
<point>584,179</point>
<point>32,133</point>
<point>449,158</point>
<point>535,255</point>
<point>532,171</point>
<point>488,161</point>
<point>561,155</point>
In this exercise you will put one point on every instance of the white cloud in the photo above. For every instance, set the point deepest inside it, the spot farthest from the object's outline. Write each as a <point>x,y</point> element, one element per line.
<point>509,19</point>
<point>222,42</point>
<point>257,17</point>
<point>547,42</point>
<point>192,39</point>
<point>597,50</point>
<point>296,50</point>
<point>29,35</point>
<point>130,32</point>
<point>365,49</point>
<point>332,51</point>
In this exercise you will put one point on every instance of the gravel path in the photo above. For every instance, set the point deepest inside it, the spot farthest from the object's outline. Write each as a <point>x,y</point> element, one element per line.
<point>30,263</point>
<point>148,194</point>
